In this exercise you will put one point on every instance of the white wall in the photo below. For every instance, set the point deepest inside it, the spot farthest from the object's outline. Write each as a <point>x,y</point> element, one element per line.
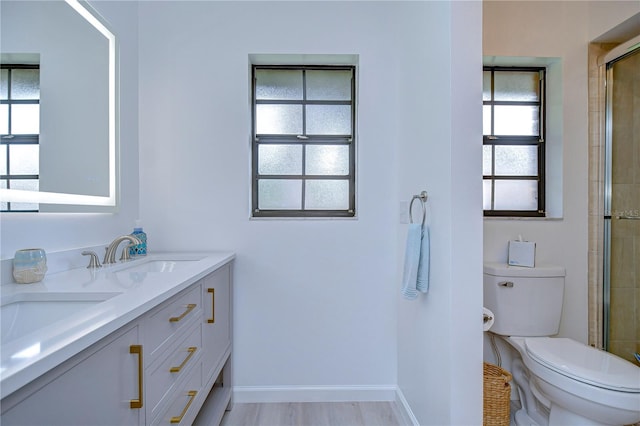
<point>62,231</point>
<point>563,30</point>
<point>315,300</point>
<point>439,341</point>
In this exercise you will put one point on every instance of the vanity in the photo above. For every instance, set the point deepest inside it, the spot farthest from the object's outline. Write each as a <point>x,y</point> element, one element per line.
<point>144,342</point>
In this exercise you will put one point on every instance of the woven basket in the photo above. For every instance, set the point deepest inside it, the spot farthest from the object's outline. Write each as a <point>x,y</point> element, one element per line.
<point>496,396</point>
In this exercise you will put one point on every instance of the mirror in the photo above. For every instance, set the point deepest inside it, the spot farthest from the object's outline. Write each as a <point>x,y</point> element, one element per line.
<point>58,62</point>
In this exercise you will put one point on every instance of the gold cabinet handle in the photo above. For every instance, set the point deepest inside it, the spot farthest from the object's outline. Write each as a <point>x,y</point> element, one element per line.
<point>213,305</point>
<point>137,349</point>
<point>190,307</point>
<point>192,395</point>
<point>191,350</point>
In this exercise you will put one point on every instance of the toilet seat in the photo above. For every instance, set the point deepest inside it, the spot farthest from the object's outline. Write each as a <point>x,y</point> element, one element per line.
<point>584,363</point>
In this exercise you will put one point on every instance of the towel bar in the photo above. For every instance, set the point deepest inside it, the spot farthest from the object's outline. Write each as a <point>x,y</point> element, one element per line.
<point>423,199</point>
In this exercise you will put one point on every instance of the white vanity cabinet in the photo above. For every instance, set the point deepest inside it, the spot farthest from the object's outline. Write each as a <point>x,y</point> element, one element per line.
<point>99,386</point>
<point>216,327</point>
<point>166,367</point>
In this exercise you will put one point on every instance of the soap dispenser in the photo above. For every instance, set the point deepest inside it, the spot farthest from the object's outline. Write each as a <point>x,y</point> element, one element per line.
<point>138,249</point>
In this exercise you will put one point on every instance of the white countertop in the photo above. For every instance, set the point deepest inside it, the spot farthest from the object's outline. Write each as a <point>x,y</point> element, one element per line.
<point>27,357</point>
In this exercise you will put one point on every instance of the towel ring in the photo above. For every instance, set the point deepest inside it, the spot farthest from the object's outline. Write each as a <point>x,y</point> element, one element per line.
<point>423,199</point>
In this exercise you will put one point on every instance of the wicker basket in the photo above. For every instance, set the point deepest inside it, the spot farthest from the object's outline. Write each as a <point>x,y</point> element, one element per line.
<point>496,396</point>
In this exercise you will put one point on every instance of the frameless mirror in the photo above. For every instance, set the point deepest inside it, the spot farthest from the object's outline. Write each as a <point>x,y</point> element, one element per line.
<point>57,108</point>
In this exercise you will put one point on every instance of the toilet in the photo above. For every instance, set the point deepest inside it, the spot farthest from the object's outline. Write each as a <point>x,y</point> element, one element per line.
<point>559,381</point>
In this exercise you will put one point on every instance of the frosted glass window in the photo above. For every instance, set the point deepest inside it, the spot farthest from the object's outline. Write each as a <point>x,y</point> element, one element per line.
<point>302,149</point>
<point>4,119</point>
<point>327,160</point>
<point>516,195</point>
<point>516,120</point>
<point>486,194</point>
<point>25,84</point>
<point>25,184</point>
<point>486,85</point>
<point>280,159</point>
<point>328,119</point>
<point>329,85</point>
<point>279,194</point>
<point>3,159</point>
<point>25,119</point>
<point>519,160</point>
<point>487,159</point>
<point>327,194</point>
<point>4,206</point>
<point>24,159</point>
<point>486,119</point>
<point>519,86</point>
<point>278,119</point>
<point>24,206</point>
<point>4,84</point>
<point>278,84</point>
<point>512,163</point>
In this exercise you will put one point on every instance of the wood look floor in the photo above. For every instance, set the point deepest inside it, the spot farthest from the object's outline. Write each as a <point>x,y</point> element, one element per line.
<point>314,414</point>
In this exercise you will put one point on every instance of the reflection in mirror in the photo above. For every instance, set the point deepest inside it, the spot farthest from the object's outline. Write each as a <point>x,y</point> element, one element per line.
<point>20,126</point>
<point>57,108</point>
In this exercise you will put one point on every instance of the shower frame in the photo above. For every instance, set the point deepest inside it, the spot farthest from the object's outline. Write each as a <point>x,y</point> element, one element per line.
<point>601,56</point>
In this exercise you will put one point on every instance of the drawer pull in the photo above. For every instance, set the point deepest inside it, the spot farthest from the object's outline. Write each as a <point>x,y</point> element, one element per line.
<point>192,395</point>
<point>190,307</point>
<point>191,350</point>
<point>137,349</point>
<point>213,305</point>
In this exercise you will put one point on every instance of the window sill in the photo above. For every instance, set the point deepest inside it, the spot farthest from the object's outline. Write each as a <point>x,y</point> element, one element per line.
<point>315,218</point>
<point>541,219</point>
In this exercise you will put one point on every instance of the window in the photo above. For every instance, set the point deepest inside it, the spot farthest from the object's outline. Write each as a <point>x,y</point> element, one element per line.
<point>303,149</point>
<point>513,142</point>
<point>19,131</point>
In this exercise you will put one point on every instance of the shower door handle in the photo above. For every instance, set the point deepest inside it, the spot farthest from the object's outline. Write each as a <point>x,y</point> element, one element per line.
<point>628,217</point>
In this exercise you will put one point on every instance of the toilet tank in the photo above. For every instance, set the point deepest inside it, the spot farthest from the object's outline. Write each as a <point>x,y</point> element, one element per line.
<point>525,301</point>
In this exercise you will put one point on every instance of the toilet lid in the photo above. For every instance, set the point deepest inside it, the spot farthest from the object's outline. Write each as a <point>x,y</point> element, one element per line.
<point>584,363</point>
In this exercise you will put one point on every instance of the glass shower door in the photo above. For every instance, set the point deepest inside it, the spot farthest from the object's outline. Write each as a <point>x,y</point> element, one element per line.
<point>622,209</point>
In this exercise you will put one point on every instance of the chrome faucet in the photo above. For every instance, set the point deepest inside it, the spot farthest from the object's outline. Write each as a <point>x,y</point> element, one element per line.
<point>93,262</point>
<point>110,254</point>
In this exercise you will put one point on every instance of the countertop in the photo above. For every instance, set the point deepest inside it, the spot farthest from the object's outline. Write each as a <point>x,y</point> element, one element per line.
<point>27,357</point>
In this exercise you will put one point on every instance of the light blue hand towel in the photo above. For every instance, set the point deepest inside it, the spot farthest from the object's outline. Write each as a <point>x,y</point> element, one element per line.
<point>415,275</point>
<point>423,267</point>
<point>411,261</point>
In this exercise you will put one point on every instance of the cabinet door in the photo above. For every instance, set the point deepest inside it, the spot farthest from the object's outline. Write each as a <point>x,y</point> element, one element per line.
<point>216,329</point>
<point>96,390</point>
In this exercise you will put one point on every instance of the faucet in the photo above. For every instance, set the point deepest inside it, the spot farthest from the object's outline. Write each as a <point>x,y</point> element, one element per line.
<point>110,254</point>
<point>93,262</point>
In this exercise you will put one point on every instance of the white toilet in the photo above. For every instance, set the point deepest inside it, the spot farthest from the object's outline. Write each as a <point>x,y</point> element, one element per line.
<point>559,381</point>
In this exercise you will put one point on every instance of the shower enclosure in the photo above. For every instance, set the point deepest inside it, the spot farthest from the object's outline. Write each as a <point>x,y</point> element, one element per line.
<point>621,298</point>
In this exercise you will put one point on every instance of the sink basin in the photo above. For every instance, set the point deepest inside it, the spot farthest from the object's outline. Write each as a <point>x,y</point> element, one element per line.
<point>159,266</point>
<point>23,313</point>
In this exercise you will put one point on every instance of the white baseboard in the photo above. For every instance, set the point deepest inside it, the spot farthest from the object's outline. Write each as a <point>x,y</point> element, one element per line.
<point>258,394</point>
<point>408,418</point>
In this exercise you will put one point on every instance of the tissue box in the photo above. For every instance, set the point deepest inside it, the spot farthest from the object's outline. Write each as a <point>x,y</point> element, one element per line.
<point>522,253</point>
